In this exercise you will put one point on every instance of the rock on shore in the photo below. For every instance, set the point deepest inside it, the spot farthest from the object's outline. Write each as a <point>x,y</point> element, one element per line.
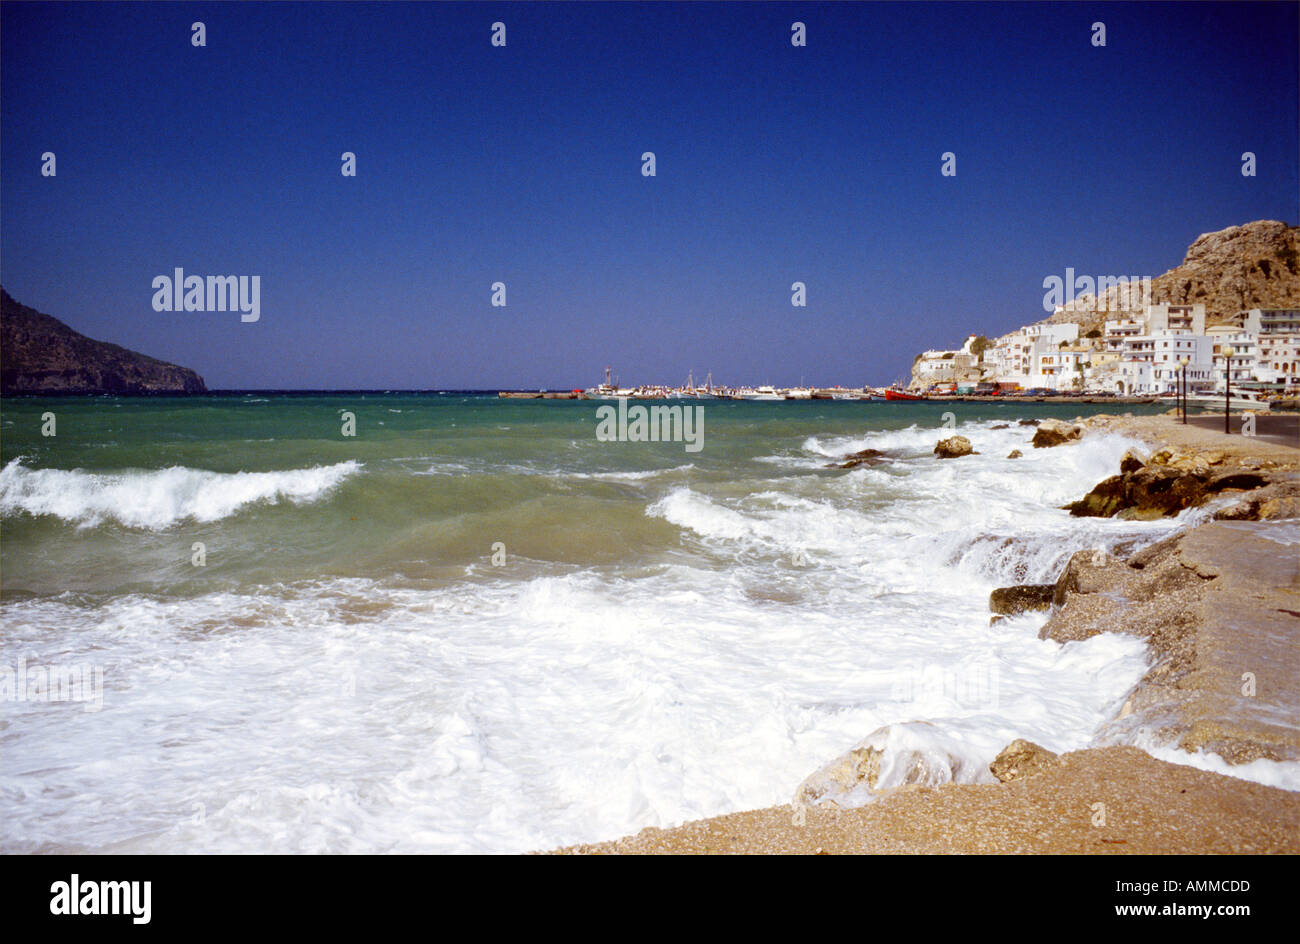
<point>1218,606</point>
<point>893,756</point>
<point>953,447</point>
<point>1022,758</point>
<point>1022,598</point>
<point>855,459</point>
<point>1055,433</point>
<point>1170,482</point>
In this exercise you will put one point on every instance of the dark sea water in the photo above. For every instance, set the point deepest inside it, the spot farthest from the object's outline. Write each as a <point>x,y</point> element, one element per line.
<point>475,626</point>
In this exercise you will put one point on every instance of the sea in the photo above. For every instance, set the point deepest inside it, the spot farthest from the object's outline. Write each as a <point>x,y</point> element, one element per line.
<point>390,622</point>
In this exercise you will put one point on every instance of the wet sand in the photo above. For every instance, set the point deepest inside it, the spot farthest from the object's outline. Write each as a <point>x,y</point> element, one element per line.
<point>1147,806</point>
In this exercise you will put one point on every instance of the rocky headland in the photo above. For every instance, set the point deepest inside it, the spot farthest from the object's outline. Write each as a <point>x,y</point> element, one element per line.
<point>42,356</point>
<point>1254,265</point>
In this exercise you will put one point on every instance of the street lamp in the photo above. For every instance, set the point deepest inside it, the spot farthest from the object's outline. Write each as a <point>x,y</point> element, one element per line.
<point>1227,386</point>
<point>1182,361</point>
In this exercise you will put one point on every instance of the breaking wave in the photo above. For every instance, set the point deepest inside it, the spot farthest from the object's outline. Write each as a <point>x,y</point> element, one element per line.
<point>161,498</point>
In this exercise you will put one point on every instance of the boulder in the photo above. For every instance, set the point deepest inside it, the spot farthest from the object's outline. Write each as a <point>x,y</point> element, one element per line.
<point>1054,433</point>
<point>1156,491</point>
<point>853,460</point>
<point>897,755</point>
<point>1014,454</point>
<point>1239,481</point>
<point>1021,759</point>
<point>1131,462</point>
<point>1277,501</point>
<point>953,447</point>
<point>1022,598</point>
<point>1273,509</point>
<point>1085,572</point>
<point>1163,491</point>
<point>1028,422</point>
<point>1107,498</point>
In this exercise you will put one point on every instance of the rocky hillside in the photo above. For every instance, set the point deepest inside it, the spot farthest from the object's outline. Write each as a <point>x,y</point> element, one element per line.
<point>41,355</point>
<point>1254,265</point>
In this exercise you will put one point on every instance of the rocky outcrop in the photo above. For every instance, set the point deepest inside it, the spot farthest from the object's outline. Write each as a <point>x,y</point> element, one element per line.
<point>1229,271</point>
<point>953,447</point>
<point>1022,598</point>
<point>1163,490</point>
<point>1250,266</point>
<point>1218,607</point>
<point>41,355</point>
<point>1021,759</point>
<point>1015,454</point>
<point>1280,500</point>
<point>1055,433</point>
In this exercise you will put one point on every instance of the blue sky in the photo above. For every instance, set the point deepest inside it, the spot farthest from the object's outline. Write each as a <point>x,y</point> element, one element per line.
<point>521,164</point>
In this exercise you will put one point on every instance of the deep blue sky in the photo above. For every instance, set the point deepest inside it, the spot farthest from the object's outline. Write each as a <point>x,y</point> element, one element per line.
<point>522,164</point>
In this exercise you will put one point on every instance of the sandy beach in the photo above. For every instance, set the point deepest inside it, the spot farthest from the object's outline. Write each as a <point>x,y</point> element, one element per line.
<point>1219,606</point>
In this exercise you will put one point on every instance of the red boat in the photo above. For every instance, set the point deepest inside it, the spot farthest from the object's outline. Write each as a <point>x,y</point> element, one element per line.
<point>892,394</point>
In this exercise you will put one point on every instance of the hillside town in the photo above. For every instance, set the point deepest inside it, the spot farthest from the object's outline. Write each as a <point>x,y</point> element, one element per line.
<point>1227,317</point>
<point>1145,352</point>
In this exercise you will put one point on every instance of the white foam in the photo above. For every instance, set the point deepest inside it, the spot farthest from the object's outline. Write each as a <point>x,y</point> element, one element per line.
<point>158,499</point>
<point>1284,775</point>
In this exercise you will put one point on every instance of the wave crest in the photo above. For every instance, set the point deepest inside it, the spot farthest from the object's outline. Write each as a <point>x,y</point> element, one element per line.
<point>157,499</point>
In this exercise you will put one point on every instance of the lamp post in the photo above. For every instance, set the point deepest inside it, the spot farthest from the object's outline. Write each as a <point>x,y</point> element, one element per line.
<point>1182,362</point>
<point>1227,386</point>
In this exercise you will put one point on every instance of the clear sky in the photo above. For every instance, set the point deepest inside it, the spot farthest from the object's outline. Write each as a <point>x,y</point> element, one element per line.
<point>522,165</point>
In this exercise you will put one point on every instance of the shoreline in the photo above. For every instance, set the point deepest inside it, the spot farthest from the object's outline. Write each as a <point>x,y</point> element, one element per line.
<point>1211,603</point>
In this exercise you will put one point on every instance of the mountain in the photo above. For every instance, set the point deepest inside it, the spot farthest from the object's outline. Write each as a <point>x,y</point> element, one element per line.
<point>1254,265</point>
<point>1236,269</point>
<point>39,354</point>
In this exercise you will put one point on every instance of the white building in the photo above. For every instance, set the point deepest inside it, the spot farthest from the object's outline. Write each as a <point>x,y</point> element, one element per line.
<point>1167,317</point>
<point>1245,351</point>
<point>944,367</point>
<point>1160,355</point>
<point>1033,356</point>
<point>1278,341</point>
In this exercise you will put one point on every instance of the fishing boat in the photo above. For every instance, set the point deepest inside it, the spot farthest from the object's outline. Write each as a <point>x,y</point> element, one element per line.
<point>893,393</point>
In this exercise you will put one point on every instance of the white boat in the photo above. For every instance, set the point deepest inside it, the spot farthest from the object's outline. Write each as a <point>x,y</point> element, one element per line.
<point>1241,400</point>
<point>762,393</point>
<point>799,393</point>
